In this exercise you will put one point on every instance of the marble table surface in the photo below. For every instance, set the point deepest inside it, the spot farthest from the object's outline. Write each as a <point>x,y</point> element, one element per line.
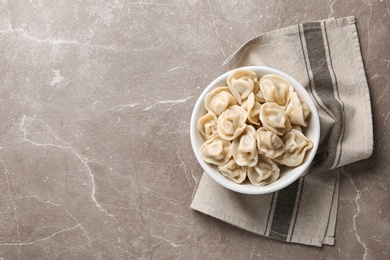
<point>95,155</point>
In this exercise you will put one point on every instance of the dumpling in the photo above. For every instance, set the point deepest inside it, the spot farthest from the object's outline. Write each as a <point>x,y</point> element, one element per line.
<point>233,171</point>
<point>269,143</point>
<point>276,89</point>
<point>241,83</point>
<point>296,144</point>
<point>265,172</point>
<point>257,92</point>
<point>297,110</point>
<point>232,122</point>
<point>218,100</point>
<point>259,97</point>
<point>207,125</point>
<point>252,108</point>
<point>216,150</point>
<point>273,118</point>
<point>256,86</point>
<point>244,148</point>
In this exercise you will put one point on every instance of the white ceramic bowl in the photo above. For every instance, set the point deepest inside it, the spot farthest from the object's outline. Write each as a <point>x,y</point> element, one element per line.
<point>287,175</point>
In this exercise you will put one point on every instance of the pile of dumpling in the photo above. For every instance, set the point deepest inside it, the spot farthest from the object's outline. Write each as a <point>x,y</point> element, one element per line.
<point>252,127</point>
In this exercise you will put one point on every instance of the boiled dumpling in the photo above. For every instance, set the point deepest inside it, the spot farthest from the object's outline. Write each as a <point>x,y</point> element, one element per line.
<point>233,171</point>
<point>274,119</point>
<point>269,143</point>
<point>264,172</point>
<point>216,150</point>
<point>241,83</point>
<point>207,125</point>
<point>297,110</point>
<point>219,99</point>
<point>296,144</point>
<point>259,97</point>
<point>244,148</point>
<point>256,86</point>
<point>252,108</point>
<point>276,89</point>
<point>231,123</point>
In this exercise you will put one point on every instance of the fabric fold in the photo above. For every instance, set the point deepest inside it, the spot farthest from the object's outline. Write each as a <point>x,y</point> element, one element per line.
<point>324,56</point>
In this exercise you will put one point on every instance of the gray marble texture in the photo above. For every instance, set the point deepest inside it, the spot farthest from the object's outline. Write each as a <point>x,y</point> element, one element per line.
<point>95,155</point>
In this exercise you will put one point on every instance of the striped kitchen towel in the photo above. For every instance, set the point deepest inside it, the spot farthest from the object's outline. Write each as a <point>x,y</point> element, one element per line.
<point>325,57</point>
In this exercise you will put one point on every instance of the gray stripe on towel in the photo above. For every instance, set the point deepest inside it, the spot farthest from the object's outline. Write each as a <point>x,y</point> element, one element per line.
<point>323,86</point>
<point>284,211</point>
<point>337,96</point>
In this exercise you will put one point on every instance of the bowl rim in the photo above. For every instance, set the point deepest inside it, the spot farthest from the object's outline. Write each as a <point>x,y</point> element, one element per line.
<point>240,188</point>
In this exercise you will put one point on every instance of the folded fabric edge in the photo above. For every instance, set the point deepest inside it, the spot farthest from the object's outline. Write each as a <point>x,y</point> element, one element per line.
<point>212,213</point>
<point>331,22</point>
<point>364,90</point>
<point>330,241</point>
<point>329,238</point>
<point>227,219</point>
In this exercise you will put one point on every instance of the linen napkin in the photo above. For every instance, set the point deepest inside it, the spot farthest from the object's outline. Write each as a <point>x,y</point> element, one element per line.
<point>324,56</point>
